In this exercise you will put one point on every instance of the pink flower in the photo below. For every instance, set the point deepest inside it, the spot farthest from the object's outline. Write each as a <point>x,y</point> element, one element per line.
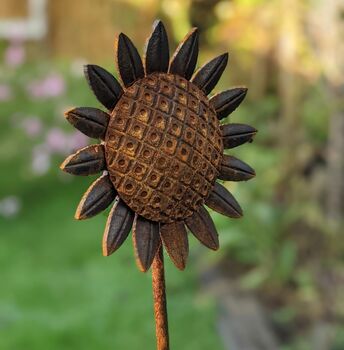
<point>9,206</point>
<point>35,90</point>
<point>32,126</point>
<point>5,92</point>
<point>40,160</point>
<point>57,141</point>
<point>15,55</point>
<point>77,140</point>
<point>52,85</point>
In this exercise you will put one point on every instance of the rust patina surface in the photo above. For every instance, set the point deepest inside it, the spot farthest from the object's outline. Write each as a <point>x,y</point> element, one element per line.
<point>163,147</point>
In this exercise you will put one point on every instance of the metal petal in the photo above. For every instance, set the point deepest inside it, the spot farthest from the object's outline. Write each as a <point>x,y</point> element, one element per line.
<point>175,239</point>
<point>104,85</point>
<point>203,228</point>
<point>118,226</point>
<point>157,51</point>
<point>146,240</point>
<point>207,76</point>
<point>184,59</point>
<point>233,169</point>
<point>90,121</point>
<point>128,61</point>
<point>89,160</point>
<point>222,201</point>
<point>236,134</point>
<point>96,199</point>
<point>227,101</point>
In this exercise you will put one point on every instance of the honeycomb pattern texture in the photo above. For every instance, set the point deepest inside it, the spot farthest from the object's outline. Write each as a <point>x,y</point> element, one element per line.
<point>163,147</point>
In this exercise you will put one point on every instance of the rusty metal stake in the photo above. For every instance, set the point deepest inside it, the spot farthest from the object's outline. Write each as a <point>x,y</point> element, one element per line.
<point>159,294</point>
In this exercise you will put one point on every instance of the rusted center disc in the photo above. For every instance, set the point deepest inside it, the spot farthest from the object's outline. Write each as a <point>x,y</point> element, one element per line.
<point>163,147</point>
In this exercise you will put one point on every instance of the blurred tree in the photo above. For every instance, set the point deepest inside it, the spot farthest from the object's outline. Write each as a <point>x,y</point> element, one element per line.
<point>202,15</point>
<point>288,86</point>
<point>329,44</point>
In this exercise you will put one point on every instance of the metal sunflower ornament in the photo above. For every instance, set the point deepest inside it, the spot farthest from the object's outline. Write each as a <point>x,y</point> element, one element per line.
<point>160,155</point>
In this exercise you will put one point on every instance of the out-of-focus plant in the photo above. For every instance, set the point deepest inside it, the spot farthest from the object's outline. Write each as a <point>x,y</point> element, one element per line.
<point>33,135</point>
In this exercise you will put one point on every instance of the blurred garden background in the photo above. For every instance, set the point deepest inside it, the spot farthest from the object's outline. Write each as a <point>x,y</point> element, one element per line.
<point>277,281</point>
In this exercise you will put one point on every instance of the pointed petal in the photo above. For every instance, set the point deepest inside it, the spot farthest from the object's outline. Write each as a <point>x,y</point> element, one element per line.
<point>90,121</point>
<point>146,240</point>
<point>104,85</point>
<point>89,160</point>
<point>203,228</point>
<point>118,226</point>
<point>207,76</point>
<point>128,61</point>
<point>96,199</point>
<point>233,169</point>
<point>157,51</point>
<point>184,59</point>
<point>236,134</point>
<point>175,239</point>
<point>227,101</point>
<point>223,202</point>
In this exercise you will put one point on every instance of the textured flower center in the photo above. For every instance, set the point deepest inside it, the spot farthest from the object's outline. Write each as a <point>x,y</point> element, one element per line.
<point>163,147</point>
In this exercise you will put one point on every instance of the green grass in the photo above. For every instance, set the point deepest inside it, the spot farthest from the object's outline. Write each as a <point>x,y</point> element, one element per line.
<point>58,292</point>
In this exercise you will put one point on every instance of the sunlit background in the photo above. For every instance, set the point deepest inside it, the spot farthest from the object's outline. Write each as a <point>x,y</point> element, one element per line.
<point>277,281</point>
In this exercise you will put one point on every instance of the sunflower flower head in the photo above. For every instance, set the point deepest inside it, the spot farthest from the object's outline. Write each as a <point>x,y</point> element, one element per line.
<point>161,148</point>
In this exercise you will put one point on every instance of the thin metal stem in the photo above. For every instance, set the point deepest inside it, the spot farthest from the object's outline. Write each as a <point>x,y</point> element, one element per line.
<point>160,308</point>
